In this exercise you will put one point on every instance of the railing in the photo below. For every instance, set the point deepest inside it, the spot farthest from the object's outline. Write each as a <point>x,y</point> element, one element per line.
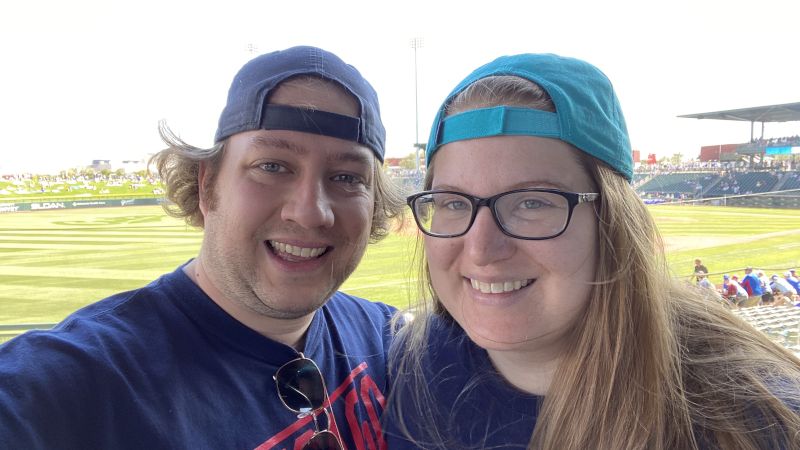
<point>9,331</point>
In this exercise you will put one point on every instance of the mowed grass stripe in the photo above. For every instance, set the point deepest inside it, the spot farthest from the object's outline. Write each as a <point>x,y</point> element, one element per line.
<point>52,262</point>
<point>125,258</point>
<point>145,233</point>
<point>13,274</point>
<point>385,271</point>
<point>40,302</point>
<point>729,239</point>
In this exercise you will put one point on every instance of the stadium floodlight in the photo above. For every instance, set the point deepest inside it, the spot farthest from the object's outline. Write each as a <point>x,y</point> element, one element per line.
<point>415,44</point>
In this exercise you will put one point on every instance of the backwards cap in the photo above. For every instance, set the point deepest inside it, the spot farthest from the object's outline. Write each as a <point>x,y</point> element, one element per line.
<point>247,107</point>
<point>588,114</point>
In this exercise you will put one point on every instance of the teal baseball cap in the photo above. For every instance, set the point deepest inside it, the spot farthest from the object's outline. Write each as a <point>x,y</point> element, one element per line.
<point>588,114</point>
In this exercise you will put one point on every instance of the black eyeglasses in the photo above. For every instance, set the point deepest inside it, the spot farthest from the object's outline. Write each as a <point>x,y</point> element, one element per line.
<point>302,390</point>
<point>530,214</point>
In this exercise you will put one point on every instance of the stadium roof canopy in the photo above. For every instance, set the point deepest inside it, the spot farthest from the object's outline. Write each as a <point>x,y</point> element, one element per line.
<point>788,112</point>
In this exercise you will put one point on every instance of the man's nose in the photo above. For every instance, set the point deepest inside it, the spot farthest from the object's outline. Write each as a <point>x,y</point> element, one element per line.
<point>309,205</point>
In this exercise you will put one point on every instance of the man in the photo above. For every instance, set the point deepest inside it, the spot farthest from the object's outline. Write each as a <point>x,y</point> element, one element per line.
<point>734,291</point>
<point>782,286</point>
<point>791,277</point>
<point>766,297</point>
<point>752,284</point>
<point>218,354</point>
<point>699,267</point>
<point>703,281</point>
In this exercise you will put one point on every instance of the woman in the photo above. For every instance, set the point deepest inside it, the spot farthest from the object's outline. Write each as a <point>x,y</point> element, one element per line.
<point>551,319</point>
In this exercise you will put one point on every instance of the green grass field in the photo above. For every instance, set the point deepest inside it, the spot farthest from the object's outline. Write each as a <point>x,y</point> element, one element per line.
<point>53,262</point>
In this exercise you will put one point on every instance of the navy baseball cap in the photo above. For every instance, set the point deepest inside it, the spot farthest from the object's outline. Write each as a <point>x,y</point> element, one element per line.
<point>247,108</point>
<point>588,114</point>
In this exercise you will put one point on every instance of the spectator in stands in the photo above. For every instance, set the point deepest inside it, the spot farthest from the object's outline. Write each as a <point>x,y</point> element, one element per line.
<point>752,284</point>
<point>766,296</point>
<point>699,267</point>
<point>735,292</point>
<point>781,299</point>
<point>703,281</point>
<point>723,289</point>
<point>288,198</point>
<point>498,356</point>
<point>782,285</point>
<point>792,279</point>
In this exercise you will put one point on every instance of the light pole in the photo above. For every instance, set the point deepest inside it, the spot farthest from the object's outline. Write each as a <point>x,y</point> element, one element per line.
<point>415,44</point>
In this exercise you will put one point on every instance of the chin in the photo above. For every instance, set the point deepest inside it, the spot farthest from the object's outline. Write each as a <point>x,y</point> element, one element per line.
<point>497,341</point>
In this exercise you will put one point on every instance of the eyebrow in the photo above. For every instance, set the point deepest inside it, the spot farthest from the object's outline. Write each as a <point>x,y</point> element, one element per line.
<point>264,142</point>
<point>522,185</point>
<point>261,141</point>
<point>352,156</point>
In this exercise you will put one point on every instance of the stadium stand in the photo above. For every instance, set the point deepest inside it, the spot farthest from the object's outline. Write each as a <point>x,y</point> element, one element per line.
<point>688,183</point>
<point>791,181</point>
<point>743,183</point>
<point>779,323</point>
<point>639,178</point>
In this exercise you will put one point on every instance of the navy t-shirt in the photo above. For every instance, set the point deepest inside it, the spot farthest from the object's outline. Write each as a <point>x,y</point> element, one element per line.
<point>473,406</point>
<point>165,367</point>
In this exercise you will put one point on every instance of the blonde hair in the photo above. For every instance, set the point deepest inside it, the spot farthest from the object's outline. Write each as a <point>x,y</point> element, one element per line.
<point>652,362</point>
<point>179,166</point>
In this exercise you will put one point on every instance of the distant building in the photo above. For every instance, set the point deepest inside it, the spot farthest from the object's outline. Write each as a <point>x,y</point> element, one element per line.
<point>127,165</point>
<point>100,164</point>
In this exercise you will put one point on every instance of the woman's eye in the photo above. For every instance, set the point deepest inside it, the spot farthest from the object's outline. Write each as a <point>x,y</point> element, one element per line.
<point>456,205</point>
<point>270,167</point>
<point>532,204</point>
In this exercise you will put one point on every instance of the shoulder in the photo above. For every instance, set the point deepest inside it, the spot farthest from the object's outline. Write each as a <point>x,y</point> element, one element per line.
<point>449,395</point>
<point>356,324</point>
<point>89,341</point>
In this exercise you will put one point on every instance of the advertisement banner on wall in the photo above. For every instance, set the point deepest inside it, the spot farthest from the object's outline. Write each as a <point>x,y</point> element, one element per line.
<point>72,204</point>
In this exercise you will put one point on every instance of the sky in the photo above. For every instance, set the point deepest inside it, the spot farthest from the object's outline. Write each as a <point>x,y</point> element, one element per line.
<point>91,79</point>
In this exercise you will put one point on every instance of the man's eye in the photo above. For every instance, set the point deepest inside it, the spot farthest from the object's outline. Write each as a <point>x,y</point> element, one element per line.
<point>348,179</point>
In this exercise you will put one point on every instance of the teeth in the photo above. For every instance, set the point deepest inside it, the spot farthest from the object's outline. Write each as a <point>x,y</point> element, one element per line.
<point>499,288</point>
<point>302,252</point>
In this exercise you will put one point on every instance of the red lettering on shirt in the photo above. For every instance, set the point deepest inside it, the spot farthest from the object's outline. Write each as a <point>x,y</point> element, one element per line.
<point>358,390</point>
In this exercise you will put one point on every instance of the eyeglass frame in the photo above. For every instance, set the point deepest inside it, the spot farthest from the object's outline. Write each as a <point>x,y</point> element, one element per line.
<point>573,200</point>
<point>312,412</point>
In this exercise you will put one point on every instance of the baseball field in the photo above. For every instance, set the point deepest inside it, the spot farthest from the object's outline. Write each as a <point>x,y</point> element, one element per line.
<point>53,262</point>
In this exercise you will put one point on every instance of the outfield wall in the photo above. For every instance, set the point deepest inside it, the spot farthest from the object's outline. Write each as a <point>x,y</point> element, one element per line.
<point>72,204</point>
<point>767,201</point>
<point>756,201</point>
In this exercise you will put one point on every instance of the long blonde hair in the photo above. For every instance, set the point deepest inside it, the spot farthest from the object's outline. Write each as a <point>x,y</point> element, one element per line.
<point>652,362</point>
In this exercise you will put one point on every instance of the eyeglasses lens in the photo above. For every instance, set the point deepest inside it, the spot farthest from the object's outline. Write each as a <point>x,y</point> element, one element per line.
<point>324,440</point>
<point>300,385</point>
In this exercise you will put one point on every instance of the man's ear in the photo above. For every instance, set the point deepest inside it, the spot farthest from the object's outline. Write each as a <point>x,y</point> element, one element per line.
<point>202,195</point>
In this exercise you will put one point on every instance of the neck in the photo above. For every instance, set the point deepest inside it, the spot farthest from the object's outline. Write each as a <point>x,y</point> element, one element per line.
<point>291,332</point>
<point>531,372</point>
